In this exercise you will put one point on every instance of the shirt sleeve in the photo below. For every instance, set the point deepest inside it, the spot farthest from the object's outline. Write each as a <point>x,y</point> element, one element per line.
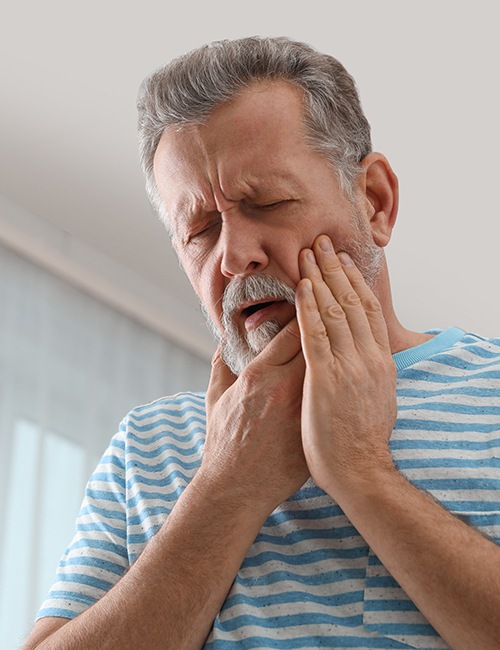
<point>97,556</point>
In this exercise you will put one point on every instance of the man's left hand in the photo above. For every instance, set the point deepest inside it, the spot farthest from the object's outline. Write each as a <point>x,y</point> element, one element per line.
<point>349,399</point>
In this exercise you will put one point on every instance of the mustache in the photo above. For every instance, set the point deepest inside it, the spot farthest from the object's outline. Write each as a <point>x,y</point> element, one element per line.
<point>253,288</point>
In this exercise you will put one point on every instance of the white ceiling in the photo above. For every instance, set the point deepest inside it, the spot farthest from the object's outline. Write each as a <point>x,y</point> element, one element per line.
<point>428,76</point>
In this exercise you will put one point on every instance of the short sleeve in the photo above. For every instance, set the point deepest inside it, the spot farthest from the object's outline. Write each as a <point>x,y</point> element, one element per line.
<point>97,556</point>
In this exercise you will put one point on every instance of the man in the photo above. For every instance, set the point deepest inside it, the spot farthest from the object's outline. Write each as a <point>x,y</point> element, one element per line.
<point>338,486</point>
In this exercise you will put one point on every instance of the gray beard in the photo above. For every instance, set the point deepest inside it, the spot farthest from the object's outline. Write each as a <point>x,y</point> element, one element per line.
<point>239,349</point>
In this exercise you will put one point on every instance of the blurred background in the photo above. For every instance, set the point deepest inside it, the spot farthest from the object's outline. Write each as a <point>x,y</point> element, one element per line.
<point>95,314</point>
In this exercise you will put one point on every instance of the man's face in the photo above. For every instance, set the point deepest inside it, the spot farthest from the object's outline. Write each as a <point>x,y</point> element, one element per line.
<point>245,194</point>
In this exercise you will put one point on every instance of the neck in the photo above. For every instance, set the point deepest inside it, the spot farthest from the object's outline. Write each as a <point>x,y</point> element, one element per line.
<point>400,338</point>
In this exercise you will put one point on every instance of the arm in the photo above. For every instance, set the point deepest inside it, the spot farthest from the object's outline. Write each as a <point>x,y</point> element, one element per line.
<point>449,570</point>
<point>171,595</point>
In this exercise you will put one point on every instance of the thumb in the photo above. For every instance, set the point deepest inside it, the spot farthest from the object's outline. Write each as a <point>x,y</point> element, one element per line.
<point>221,378</point>
<point>284,347</point>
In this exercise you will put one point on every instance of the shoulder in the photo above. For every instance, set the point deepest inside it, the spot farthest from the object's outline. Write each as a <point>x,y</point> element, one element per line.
<point>180,406</point>
<point>181,416</point>
<point>478,349</point>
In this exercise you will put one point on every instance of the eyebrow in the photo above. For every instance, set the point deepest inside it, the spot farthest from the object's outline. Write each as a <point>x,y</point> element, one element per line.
<point>193,208</point>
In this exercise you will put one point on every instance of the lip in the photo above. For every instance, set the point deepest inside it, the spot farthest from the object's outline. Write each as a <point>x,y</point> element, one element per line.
<point>276,309</point>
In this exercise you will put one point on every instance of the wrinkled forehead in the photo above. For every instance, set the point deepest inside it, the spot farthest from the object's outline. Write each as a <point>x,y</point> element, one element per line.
<point>259,138</point>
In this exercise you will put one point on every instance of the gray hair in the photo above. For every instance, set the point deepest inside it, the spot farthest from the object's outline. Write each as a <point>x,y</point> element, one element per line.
<point>189,88</point>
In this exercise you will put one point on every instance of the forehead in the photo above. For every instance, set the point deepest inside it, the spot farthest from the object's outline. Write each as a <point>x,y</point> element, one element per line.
<point>264,116</point>
<point>258,134</point>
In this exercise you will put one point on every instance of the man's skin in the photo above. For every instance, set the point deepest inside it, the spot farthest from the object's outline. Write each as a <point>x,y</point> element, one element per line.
<point>246,194</point>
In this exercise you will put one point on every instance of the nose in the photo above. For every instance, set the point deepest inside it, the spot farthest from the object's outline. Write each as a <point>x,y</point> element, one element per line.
<point>243,245</point>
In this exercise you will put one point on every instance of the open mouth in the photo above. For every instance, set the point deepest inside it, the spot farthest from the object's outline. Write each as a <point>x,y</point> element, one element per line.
<point>257,313</point>
<point>251,309</point>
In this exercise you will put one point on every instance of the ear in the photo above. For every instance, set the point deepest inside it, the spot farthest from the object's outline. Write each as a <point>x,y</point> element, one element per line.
<point>380,189</point>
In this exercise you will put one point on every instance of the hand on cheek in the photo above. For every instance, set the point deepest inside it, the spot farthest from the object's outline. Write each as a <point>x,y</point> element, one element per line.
<point>349,399</point>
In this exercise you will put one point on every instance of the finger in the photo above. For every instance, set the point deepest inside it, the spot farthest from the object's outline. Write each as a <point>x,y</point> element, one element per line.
<point>337,280</point>
<point>221,378</point>
<point>283,348</point>
<point>371,305</point>
<point>316,344</point>
<point>334,315</point>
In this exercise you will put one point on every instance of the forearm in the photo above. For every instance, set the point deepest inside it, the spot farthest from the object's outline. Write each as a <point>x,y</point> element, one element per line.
<point>448,569</point>
<point>171,595</point>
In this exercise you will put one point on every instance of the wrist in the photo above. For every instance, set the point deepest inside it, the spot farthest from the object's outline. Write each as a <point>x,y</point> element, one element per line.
<point>233,498</point>
<point>360,478</point>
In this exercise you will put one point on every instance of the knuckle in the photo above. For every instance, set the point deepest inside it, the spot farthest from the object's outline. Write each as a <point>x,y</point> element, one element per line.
<point>349,298</point>
<point>371,305</point>
<point>319,344</point>
<point>332,268</point>
<point>335,312</point>
<point>250,377</point>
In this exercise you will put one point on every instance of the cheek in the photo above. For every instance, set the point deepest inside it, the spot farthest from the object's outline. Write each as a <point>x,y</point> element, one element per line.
<point>208,285</point>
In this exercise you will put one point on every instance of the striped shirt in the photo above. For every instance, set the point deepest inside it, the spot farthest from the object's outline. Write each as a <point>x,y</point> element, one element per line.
<point>309,580</point>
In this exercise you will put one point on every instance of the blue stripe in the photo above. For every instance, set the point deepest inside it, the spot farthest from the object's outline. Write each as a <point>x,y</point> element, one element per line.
<point>144,537</point>
<point>83,579</point>
<point>75,596</point>
<point>164,462</point>
<point>457,427</point>
<point>321,555</point>
<point>389,605</point>
<point>459,463</point>
<point>279,517</point>
<point>167,425</point>
<point>469,391</point>
<point>336,640</point>
<point>461,483</point>
<point>194,443</point>
<point>403,629</point>
<point>58,612</point>
<point>303,534</point>
<point>286,597</point>
<point>188,410</point>
<point>101,527</point>
<point>471,506</point>
<point>382,582</point>
<point>105,565</point>
<point>449,407</point>
<point>99,544</point>
<point>314,579</point>
<point>103,495</point>
<point>91,509</point>
<point>310,492</point>
<point>420,375</point>
<point>149,513</point>
<point>110,459</point>
<point>288,620</point>
<point>174,401</point>
<point>108,477</point>
<point>445,445</point>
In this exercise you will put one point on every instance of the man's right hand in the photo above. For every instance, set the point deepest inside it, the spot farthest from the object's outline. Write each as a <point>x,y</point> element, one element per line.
<point>252,463</point>
<point>253,447</point>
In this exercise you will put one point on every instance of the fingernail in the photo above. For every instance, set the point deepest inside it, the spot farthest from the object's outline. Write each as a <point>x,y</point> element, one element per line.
<point>345,259</point>
<point>325,244</point>
<point>311,258</point>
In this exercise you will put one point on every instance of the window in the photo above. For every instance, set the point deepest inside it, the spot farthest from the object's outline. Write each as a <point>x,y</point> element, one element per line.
<point>70,368</point>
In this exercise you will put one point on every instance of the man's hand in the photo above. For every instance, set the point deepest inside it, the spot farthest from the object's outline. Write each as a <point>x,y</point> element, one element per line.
<point>253,446</point>
<point>349,400</point>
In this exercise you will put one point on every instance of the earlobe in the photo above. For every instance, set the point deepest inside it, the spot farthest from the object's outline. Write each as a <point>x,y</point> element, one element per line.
<point>380,186</point>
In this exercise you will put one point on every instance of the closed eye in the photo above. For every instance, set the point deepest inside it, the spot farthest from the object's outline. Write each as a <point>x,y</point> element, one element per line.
<point>268,206</point>
<point>204,232</point>
<point>271,206</point>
